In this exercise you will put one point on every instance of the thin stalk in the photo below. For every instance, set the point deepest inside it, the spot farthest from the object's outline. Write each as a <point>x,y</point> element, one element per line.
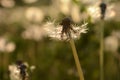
<point>77,62</point>
<point>101,52</point>
<point>5,65</point>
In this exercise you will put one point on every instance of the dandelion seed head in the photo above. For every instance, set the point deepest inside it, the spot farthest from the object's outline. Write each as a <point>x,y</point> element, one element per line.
<point>55,32</point>
<point>65,6</point>
<point>10,47</point>
<point>111,43</point>
<point>19,70</point>
<point>34,14</point>
<point>75,13</point>
<point>8,3</point>
<point>6,46</point>
<point>34,32</point>
<point>95,12</point>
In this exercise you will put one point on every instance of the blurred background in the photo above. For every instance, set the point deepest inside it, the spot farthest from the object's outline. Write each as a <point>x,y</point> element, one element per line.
<point>22,38</point>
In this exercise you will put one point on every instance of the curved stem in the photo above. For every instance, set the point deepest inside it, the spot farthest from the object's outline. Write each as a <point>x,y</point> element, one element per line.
<point>77,62</point>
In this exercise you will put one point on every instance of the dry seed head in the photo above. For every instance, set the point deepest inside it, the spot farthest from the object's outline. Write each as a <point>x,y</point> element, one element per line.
<point>58,32</point>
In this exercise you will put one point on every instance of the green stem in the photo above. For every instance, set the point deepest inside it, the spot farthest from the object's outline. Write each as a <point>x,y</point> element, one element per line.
<point>5,65</point>
<point>77,62</point>
<point>101,52</point>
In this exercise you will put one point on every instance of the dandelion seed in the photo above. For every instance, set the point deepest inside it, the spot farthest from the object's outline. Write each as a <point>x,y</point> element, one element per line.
<point>65,30</point>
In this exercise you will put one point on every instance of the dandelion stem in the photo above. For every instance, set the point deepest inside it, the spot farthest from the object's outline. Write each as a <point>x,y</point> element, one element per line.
<point>77,62</point>
<point>5,64</point>
<point>101,52</point>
